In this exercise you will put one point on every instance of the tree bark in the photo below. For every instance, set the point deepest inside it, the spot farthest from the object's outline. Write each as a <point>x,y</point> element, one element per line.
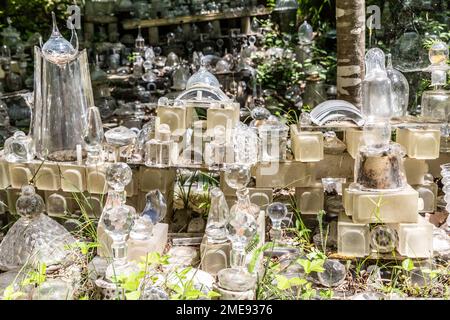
<point>350,29</point>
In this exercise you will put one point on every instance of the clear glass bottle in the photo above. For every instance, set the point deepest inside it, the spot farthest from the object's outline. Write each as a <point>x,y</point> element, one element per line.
<point>19,148</point>
<point>305,33</point>
<point>400,89</point>
<point>246,144</point>
<point>93,137</point>
<point>436,103</point>
<point>159,151</point>
<point>34,238</point>
<point>139,42</point>
<point>273,137</point>
<point>218,216</point>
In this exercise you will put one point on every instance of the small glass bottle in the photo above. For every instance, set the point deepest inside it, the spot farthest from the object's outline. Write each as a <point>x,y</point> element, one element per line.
<point>216,231</point>
<point>305,33</point>
<point>159,151</point>
<point>19,148</point>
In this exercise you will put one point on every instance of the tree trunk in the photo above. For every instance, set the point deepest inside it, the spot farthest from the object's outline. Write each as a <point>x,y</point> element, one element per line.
<point>350,28</point>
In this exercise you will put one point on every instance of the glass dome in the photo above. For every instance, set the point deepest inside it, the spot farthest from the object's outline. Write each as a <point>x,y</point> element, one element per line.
<point>201,78</point>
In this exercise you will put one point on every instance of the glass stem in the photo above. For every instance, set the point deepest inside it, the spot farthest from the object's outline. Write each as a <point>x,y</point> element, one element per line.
<point>237,259</point>
<point>119,250</point>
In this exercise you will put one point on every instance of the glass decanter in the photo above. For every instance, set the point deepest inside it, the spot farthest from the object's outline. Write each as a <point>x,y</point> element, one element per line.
<point>436,103</point>
<point>154,212</point>
<point>57,49</point>
<point>237,176</point>
<point>241,228</point>
<point>19,148</point>
<point>34,238</point>
<point>218,217</point>
<point>276,211</point>
<point>400,89</point>
<point>117,222</point>
<point>93,137</point>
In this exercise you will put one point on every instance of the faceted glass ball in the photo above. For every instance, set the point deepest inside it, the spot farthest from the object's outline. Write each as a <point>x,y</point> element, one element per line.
<point>237,176</point>
<point>118,175</point>
<point>29,204</point>
<point>118,222</point>
<point>242,227</point>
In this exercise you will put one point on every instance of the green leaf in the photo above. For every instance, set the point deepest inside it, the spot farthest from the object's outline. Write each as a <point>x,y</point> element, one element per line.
<point>282,282</point>
<point>10,294</point>
<point>317,265</point>
<point>134,295</point>
<point>408,265</point>
<point>213,294</point>
<point>296,281</point>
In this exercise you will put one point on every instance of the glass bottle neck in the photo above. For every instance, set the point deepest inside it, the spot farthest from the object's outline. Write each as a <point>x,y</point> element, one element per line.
<point>243,196</point>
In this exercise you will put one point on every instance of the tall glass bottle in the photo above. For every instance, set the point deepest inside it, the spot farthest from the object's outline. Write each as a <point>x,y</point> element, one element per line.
<point>62,96</point>
<point>400,89</point>
<point>217,217</point>
<point>436,102</point>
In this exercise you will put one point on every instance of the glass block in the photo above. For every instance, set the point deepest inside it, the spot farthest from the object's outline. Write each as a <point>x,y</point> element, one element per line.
<point>420,143</point>
<point>282,174</point>
<point>378,207</point>
<point>307,146</point>
<point>73,178</point>
<point>415,239</point>
<point>353,137</point>
<point>415,170</point>
<point>310,200</point>
<point>353,238</point>
<point>48,177</point>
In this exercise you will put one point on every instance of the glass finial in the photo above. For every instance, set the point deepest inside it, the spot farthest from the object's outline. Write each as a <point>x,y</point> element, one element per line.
<point>57,49</point>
